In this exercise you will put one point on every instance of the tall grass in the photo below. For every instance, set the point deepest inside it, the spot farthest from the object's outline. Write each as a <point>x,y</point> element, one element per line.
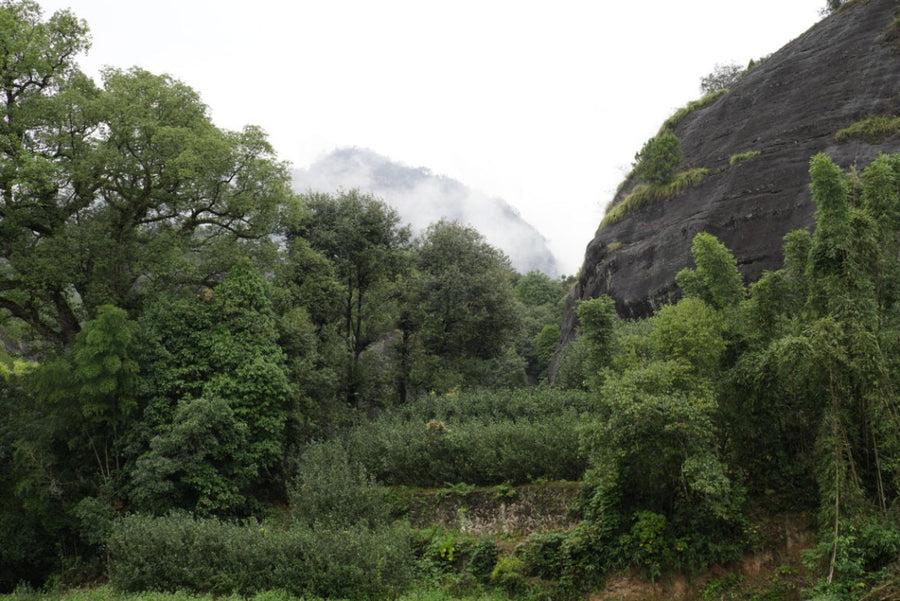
<point>873,129</point>
<point>692,106</point>
<point>743,156</point>
<point>643,194</point>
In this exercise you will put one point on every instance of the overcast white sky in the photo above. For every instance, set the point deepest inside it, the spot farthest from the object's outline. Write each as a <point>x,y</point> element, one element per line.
<point>541,103</point>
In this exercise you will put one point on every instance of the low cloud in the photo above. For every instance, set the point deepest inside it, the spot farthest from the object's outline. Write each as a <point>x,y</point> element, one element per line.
<point>422,198</point>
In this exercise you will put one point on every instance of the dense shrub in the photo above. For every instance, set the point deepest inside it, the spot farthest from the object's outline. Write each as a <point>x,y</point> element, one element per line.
<point>448,551</point>
<point>657,160</point>
<point>334,490</point>
<point>179,552</point>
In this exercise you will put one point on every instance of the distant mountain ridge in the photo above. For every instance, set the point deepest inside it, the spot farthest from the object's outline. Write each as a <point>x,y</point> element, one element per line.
<point>422,198</point>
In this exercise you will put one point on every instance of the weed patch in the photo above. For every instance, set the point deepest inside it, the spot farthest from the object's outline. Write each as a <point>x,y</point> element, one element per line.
<point>743,156</point>
<point>872,130</point>
<point>643,194</point>
<point>692,106</point>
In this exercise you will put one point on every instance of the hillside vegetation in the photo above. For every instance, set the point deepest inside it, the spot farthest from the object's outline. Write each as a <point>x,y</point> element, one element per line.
<point>211,387</point>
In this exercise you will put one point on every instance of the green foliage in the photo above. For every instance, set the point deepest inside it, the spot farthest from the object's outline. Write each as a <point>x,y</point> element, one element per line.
<point>872,129</point>
<point>690,332</point>
<point>332,489</point>
<point>216,377</point>
<point>658,445</point>
<point>864,554</point>
<point>483,438</point>
<point>536,288</point>
<point>180,553</point>
<point>66,424</point>
<point>572,365</point>
<point>716,279</point>
<point>541,299</point>
<point>200,462</point>
<point>643,194</point>
<point>833,6</point>
<point>449,552</point>
<point>658,488</point>
<point>459,489</point>
<point>507,574</point>
<point>816,382</point>
<point>465,312</point>
<point>544,345</point>
<point>692,106</point>
<point>597,318</point>
<point>743,157</point>
<point>544,555</point>
<point>363,239</point>
<point>116,191</point>
<point>657,160</point>
<point>482,559</point>
<point>248,365</point>
<point>645,545</point>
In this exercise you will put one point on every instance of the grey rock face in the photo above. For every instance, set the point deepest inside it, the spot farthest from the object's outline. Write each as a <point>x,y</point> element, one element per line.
<point>840,71</point>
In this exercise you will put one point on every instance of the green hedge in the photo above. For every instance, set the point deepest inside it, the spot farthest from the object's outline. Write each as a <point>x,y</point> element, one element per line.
<point>181,553</point>
<point>479,438</point>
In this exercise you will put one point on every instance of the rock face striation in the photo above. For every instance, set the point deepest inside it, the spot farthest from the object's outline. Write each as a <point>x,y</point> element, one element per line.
<point>844,69</point>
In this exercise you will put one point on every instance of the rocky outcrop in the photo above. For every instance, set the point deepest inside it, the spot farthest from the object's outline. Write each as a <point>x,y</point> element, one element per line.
<point>842,70</point>
<point>520,511</point>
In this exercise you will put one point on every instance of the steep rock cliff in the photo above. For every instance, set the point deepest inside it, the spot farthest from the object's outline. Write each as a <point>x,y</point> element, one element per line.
<point>844,69</point>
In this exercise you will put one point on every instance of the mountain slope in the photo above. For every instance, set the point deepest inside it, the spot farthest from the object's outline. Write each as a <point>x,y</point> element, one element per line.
<point>844,69</point>
<point>422,198</point>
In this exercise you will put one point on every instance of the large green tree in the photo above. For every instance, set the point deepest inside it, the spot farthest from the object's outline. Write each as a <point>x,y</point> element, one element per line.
<point>107,192</point>
<point>366,245</point>
<point>541,298</point>
<point>214,371</point>
<point>467,311</point>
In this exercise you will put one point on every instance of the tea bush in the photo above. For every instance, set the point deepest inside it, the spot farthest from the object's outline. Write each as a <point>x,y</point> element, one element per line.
<point>331,488</point>
<point>482,438</point>
<point>181,553</point>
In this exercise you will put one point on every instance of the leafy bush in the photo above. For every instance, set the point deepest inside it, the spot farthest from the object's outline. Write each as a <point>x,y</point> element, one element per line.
<point>657,160</point>
<point>571,366</point>
<point>450,555</point>
<point>508,574</point>
<point>482,559</point>
<point>860,552</point>
<point>332,489</point>
<point>179,552</point>
<point>544,555</point>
